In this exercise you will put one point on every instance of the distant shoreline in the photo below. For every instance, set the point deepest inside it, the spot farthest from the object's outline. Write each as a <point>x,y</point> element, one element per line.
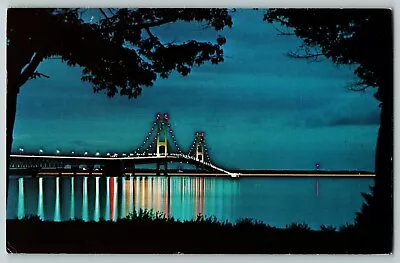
<point>149,172</point>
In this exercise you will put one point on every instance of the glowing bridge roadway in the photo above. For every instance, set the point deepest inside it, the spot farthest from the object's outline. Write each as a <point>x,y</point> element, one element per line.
<point>113,166</point>
<point>159,146</point>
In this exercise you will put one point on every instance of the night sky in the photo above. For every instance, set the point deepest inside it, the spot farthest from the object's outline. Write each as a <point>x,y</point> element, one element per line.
<point>259,109</point>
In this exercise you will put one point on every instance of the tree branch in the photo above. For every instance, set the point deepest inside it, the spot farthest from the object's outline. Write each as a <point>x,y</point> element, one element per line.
<point>111,11</point>
<point>281,32</point>
<point>153,24</point>
<point>310,57</point>
<point>30,69</point>
<point>149,33</point>
<point>305,56</point>
<point>357,86</point>
<point>39,75</point>
<point>358,89</point>
<point>55,57</point>
<point>103,13</point>
<point>278,19</point>
<point>153,37</point>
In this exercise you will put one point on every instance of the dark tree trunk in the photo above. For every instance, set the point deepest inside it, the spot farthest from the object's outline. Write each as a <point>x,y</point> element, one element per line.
<point>383,190</point>
<point>376,216</point>
<point>12,93</point>
<point>18,58</point>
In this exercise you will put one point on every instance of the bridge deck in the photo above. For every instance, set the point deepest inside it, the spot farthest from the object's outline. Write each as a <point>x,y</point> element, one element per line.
<point>69,172</point>
<point>60,161</point>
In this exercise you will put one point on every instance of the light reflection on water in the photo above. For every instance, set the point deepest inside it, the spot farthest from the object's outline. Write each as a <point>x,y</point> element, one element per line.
<point>276,201</point>
<point>57,213</point>
<point>40,211</point>
<point>21,198</point>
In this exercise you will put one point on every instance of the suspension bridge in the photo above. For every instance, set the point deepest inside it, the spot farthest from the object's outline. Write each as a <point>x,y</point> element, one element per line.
<point>159,147</point>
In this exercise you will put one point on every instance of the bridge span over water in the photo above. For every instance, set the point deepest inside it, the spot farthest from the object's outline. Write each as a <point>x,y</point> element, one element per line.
<point>112,166</point>
<point>160,147</point>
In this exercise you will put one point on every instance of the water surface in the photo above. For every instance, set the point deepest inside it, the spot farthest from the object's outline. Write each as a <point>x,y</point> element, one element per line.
<point>276,201</point>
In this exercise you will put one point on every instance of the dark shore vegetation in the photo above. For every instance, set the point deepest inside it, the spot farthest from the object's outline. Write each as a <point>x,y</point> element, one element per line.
<point>148,232</point>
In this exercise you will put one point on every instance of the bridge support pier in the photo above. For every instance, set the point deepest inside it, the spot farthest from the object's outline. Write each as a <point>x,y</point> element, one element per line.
<point>114,168</point>
<point>130,166</point>
<point>165,168</point>
<point>133,169</point>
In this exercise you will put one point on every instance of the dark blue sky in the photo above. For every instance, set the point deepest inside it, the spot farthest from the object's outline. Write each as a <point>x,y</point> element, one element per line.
<point>259,109</point>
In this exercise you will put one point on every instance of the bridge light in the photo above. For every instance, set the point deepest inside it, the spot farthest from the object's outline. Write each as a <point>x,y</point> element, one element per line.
<point>108,154</point>
<point>40,150</point>
<point>86,153</point>
<point>97,154</point>
<point>131,154</point>
<point>72,153</point>
<point>123,154</point>
<point>58,151</point>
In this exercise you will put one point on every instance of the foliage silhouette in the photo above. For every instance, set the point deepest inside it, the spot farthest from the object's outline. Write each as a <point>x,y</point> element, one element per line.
<point>299,227</point>
<point>328,228</point>
<point>362,38</point>
<point>144,231</point>
<point>32,218</point>
<point>118,54</point>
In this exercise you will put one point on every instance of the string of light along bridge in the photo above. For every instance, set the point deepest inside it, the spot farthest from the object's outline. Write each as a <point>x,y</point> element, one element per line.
<point>159,143</point>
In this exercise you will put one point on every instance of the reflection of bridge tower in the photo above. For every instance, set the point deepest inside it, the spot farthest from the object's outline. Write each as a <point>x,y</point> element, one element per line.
<point>162,134</point>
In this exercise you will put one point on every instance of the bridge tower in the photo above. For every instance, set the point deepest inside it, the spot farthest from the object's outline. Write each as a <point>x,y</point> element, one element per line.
<point>199,149</point>
<point>199,146</point>
<point>162,134</point>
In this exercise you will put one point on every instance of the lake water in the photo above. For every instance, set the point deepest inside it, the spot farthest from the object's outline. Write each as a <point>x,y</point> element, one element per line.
<point>276,201</point>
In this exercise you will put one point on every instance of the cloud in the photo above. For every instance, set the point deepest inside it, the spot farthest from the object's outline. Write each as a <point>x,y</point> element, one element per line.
<point>367,119</point>
<point>352,109</point>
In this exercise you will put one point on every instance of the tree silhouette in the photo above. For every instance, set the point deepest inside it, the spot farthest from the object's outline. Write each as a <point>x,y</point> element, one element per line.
<point>363,38</point>
<point>118,54</point>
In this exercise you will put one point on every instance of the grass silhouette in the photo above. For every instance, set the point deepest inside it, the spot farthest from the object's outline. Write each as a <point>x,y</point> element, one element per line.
<point>145,231</point>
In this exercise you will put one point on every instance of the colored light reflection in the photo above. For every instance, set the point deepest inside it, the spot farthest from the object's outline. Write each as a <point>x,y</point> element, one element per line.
<point>180,197</point>
<point>111,196</point>
<point>57,212</point>
<point>40,210</point>
<point>97,201</point>
<point>85,208</point>
<point>108,205</point>
<point>127,196</point>
<point>72,200</point>
<point>115,199</point>
<point>123,210</point>
<point>143,190</point>
<point>137,193</point>
<point>21,198</point>
<point>131,195</point>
